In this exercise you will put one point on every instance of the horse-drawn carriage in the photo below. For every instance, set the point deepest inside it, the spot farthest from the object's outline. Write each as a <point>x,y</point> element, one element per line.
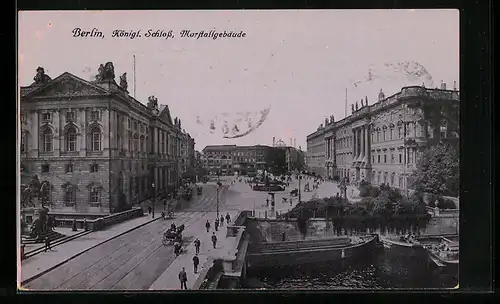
<point>173,235</point>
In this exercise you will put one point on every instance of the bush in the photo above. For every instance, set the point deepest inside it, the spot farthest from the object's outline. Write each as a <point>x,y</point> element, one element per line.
<point>336,178</point>
<point>374,191</point>
<point>431,204</point>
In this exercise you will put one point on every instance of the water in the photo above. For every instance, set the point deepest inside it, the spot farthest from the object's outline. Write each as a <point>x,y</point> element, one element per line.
<point>382,270</point>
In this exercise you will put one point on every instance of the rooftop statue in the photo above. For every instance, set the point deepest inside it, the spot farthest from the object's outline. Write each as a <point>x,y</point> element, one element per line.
<point>123,81</point>
<point>41,77</point>
<point>105,72</point>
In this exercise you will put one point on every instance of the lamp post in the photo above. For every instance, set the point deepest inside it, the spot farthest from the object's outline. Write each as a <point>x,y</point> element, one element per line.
<point>154,198</point>
<point>219,184</point>
<point>300,191</point>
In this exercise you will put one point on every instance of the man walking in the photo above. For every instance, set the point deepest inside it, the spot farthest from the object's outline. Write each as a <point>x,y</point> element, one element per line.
<point>183,278</point>
<point>47,244</point>
<point>197,244</point>
<point>196,262</point>
<point>214,239</point>
<point>207,225</point>
<point>221,220</point>
<point>217,224</point>
<point>228,218</point>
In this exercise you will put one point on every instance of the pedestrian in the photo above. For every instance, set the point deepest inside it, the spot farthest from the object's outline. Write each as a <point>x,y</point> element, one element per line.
<point>196,262</point>
<point>183,278</point>
<point>214,239</point>
<point>207,225</point>
<point>217,224</point>
<point>228,218</point>
<point>85,225</point>
<point>149,209</point>
<point>221,220</point>
<point>47,244</point>
<point>197,244</point>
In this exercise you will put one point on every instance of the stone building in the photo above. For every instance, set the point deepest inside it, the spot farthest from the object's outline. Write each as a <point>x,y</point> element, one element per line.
<point>316,152</point>
<point>381,143</point>
<point>218,159</point>
<point>100,149</point>
<point>228,159</point>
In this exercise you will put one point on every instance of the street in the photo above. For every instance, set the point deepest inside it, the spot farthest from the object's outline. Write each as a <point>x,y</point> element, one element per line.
<point>134,260</point>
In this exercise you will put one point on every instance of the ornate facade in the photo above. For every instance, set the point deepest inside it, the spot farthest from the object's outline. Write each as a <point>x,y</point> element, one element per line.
<point>381,143</point>
<point>100,149</point>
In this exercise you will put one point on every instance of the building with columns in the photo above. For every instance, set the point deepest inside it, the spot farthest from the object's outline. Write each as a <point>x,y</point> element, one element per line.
<point>381,143</point>
<point>98,148</point>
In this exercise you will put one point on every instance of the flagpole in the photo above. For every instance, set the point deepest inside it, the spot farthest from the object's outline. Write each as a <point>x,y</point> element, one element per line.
<point>345,108</point>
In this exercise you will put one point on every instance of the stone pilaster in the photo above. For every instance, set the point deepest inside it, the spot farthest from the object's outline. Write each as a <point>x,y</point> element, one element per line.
<point>58,138</point>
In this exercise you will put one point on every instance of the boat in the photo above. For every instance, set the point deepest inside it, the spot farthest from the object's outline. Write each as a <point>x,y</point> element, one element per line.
<point>445,254</point>
<point>390,243</point>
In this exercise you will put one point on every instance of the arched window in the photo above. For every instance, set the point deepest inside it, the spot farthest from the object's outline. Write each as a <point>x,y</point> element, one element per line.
<point>393,175</point>
<point>70,138</point>
<point>95,138</point>
<point>47,138</point>
<point>378,135</point>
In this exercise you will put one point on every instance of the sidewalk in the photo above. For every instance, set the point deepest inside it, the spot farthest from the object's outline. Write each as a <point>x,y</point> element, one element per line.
<point>46,261</point>
<point>169,280</point>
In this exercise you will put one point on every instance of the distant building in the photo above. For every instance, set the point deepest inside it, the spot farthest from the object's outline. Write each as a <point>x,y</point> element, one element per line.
<point>381,143</point>
<point>316,152</point>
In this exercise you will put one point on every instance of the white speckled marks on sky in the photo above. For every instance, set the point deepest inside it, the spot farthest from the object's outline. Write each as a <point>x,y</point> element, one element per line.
<point>232,125</point>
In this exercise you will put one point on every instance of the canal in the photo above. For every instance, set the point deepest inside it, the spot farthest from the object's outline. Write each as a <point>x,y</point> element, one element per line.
<point>384,269</point>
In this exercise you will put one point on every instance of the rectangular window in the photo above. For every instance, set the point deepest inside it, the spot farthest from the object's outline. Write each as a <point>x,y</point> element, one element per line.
<point>69,168</point>
<point>70,195</point>
<point>378,158</point>
<point>392,158</point>
<point>70,116</point>
<point>400,132</point>
<point>385,158</point>
<point>23,142</point>
<point>95,195</point>
<point>94,168</point>
<point>45,168</point>
<point>373,158</point>
<point>46,116</point>
<point>96,142</point>
<point>94,115</point>
<point>400,158</point>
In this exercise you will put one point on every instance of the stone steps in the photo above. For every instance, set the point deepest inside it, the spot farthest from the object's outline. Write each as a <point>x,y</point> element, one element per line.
<point>52,235</point>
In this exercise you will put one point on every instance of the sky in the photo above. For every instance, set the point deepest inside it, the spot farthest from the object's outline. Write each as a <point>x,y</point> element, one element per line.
<point>295,64</point>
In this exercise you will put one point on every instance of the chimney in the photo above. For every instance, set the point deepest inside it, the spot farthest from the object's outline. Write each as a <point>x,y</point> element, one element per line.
<point>454,85</point>
<point>290,141</point>
<point>294,142</point>
<point>443,85</point>
<point>274,141</point>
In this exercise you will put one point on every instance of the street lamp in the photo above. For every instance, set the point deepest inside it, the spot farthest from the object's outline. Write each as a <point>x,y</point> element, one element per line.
<point>300,191</point>
<point>219,184</point>
<point>154,198</point>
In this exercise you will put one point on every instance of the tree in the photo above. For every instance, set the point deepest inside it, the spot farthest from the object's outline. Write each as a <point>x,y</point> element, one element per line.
<point>276,160</point>
<point>438,171</point>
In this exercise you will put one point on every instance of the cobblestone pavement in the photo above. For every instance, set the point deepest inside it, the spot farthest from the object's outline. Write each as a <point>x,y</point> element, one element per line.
<point>132,261</point>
